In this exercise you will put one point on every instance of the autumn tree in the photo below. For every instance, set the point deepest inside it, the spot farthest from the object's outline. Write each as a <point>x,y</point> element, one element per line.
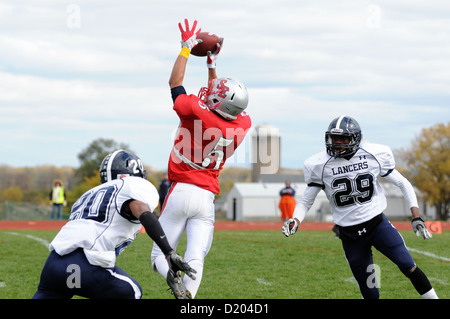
<point>82,187</point>
<point>94,153</point>
<point>428,161</point>
<point>14,194</point>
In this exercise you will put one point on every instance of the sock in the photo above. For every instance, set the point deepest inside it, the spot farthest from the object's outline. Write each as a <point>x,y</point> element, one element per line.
<point>193,285</point>
<point>420,281</point>
<point>430,294</point>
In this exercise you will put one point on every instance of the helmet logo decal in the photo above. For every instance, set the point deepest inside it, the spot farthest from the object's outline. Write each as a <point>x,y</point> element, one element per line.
<point>337,130</point>
<point>223,89</point>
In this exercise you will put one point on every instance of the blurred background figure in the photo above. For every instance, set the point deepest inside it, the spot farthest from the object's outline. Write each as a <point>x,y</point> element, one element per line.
<point>57,199</point>
<point>287,201</point>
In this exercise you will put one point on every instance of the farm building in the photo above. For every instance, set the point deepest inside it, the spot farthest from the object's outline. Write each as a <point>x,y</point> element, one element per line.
<point>259,201</point>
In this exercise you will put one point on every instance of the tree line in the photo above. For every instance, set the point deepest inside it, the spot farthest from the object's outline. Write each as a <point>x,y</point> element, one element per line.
<point>33,184</point>
<point>426,163</point>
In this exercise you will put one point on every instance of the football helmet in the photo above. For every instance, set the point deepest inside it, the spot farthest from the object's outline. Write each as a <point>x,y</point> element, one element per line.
<point>120,164</point>
<point>226,96</point>
<point>343,126</point>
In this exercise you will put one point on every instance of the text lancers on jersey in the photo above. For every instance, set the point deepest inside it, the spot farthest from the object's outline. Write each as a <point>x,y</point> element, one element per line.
<point>349,168</point>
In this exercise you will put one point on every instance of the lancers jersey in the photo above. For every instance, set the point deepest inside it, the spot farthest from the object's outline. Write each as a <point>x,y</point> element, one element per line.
<point>352,186</point>
<point>99,226</point>
<point>203,143</point>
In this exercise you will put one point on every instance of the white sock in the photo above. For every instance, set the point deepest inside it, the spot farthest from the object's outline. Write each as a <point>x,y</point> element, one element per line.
<point>193,285</point>
<point>431,294</point>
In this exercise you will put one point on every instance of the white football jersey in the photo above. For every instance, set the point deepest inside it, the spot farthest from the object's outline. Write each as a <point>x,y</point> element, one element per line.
<point>352,186</point>
<point>97,224</point>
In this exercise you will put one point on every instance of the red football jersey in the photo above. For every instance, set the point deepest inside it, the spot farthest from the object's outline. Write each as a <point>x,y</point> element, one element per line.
<point>204,141</point>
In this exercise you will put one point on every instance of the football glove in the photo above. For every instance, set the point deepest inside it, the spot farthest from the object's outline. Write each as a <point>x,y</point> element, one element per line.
<point>212,56</point>
<point>189,37</point>
<point>176,263</point>
<point>290,227</point>
<point>419,227</point>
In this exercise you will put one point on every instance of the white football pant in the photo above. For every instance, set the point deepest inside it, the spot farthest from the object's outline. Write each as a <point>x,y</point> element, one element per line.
<point>191,208</point>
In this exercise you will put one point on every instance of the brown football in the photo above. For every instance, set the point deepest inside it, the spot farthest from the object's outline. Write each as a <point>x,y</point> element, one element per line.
<point>209,43</point>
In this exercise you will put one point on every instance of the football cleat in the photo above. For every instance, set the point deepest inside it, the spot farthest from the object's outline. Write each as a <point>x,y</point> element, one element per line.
<point>176,285</point>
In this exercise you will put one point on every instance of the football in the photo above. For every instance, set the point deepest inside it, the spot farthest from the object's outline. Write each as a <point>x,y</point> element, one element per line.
<point>209,43</point>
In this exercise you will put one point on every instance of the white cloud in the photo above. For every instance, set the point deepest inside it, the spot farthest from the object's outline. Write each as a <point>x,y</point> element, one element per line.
<point>385,63</point>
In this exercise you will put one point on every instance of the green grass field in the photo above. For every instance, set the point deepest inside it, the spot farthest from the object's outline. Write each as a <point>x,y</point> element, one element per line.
<point>243,265</point>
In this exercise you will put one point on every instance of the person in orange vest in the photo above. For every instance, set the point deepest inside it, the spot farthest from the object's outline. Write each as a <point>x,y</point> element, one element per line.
<point>287,201</point>
<point>57,199</point>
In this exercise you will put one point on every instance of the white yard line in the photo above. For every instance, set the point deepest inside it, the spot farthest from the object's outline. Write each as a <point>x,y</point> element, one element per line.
<point>40,240</point>
<point>263,282</point>
<point>428,254</point>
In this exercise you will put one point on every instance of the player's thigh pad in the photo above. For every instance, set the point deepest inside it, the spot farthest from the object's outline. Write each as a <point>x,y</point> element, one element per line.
<point>72,274</point>
<point>391,244</point>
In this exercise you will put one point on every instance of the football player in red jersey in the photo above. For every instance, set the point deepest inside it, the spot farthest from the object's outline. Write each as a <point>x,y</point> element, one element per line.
<point>212,125</point>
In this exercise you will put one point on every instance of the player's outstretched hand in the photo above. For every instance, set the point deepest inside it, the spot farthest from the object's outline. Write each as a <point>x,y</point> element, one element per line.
<point>419,227</point>
<point>212,56</point>
<point>189,37</point>
<point>176,263</point>
<point>290,227</point>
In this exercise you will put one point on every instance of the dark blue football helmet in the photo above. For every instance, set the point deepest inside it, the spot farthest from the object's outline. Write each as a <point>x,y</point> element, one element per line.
<point>343,126</point>
<point>120,164</point>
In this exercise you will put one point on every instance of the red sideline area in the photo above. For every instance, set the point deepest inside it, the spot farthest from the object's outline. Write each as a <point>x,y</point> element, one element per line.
<point>219,225</point>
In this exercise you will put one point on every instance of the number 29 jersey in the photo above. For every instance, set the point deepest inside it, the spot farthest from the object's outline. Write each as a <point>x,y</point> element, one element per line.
<point>98,224</point>
<point>352,186</point>
<point>203,143</point>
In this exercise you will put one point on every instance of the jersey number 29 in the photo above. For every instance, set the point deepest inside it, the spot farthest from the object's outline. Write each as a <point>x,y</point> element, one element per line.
<point>359,190</point>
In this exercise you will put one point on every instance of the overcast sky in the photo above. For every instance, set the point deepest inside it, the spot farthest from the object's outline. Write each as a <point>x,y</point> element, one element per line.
<point>74,71</point>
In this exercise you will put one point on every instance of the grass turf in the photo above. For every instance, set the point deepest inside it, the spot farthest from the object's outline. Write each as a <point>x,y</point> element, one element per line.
<point>244,265</point>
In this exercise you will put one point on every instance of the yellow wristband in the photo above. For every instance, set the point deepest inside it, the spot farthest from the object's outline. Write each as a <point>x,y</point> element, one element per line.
<point>185,52</point>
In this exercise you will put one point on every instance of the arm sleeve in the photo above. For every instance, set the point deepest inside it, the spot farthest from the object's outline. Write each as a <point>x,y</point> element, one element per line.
<point>305,203</point>
<point>154,230</point>
<point>405,186</point>
<point>177,91</point>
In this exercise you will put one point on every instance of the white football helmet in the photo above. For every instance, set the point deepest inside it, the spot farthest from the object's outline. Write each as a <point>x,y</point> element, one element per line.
<point>226,96</point>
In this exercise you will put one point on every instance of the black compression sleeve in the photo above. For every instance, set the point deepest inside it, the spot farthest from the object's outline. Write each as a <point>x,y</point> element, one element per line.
<point>176,91</point>
<point>155,231</point>
<point>419,281</point>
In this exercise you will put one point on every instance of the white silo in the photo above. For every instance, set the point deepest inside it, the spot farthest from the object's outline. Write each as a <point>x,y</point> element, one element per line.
<point>266,151</point>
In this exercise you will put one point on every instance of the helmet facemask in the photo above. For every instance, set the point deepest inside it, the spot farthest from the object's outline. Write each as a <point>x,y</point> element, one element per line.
<point>343,127</point>
<point>205,91</point>
<point>340,149</point>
